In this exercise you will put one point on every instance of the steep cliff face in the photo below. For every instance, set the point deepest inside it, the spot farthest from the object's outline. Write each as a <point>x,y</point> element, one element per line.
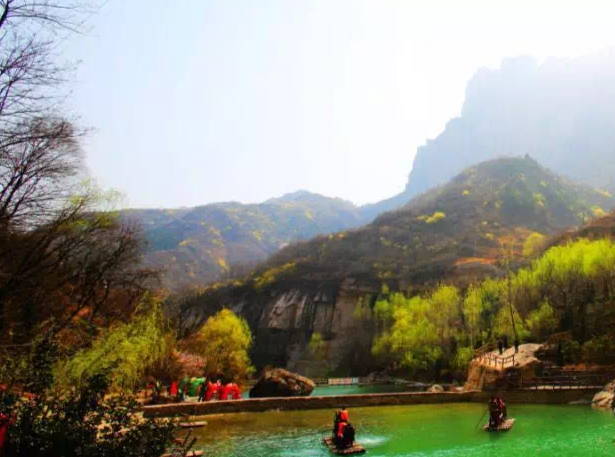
<point>561,113</point>
<point>284,322</point>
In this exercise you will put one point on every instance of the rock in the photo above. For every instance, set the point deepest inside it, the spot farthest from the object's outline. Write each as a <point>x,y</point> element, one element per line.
<point>436,389</point>
<point>604,398</point>
<point>282,383</point>
<point>482,373</point>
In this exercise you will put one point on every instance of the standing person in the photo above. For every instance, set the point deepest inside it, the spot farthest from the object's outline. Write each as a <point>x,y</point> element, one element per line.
<point>495,412</point>
<point>173,390</point>
<point>500,346</point>
<point>202,389</point>
<point>560,354</point>
<point>336,421</point>
<point>504,413</point>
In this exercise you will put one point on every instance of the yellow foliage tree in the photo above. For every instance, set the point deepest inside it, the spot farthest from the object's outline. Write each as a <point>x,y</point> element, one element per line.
<point>224,341</point>
<point>532,244</point>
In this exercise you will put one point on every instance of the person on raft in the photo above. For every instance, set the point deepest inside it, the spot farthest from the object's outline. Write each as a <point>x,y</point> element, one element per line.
<point>497,412</point>
<point>343,430</point>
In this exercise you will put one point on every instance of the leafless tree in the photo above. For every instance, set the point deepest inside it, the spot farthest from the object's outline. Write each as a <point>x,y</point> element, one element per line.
<point>61,260</point>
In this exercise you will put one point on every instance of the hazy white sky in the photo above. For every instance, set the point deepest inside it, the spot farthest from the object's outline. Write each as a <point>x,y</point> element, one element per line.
<point>196,101</point>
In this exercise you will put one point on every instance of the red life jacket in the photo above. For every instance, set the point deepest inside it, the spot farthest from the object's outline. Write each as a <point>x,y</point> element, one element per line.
<point>226,390</point>
<point>173,391</point>
<point>340,429</point>
<point>236,393</point>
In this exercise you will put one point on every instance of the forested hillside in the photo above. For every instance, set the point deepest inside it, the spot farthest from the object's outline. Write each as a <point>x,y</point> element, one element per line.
<point>461,227</point>
<point>490,219</point>
<point>194,246</point>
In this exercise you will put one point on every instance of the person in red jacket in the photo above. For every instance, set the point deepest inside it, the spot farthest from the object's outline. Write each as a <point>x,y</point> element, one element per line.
<point>343,430</point>
<point>236,394</point>
<point>5,422</point>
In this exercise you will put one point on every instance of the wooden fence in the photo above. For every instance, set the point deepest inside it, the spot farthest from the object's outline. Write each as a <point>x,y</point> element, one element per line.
<point>562,380</point>
<point>497,361</point>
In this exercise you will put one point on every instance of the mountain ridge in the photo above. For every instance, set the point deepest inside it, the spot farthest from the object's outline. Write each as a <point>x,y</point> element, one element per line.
<point>477,225</point>
<point>198,245</point>
<point>556,112</point>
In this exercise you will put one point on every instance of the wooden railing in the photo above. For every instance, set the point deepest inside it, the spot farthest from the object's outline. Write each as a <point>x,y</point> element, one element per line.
<point>352,381</point>
<point>564,380</point>
<point>485,348</point>
<point>497,361</point>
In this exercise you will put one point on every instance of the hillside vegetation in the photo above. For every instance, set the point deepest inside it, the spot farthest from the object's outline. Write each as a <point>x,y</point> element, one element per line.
<point>488,222</point>
<point>460,229</point>
<point>198,245</point>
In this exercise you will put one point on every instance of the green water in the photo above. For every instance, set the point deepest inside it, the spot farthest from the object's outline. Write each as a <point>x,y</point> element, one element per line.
<point>327,391</point>
<point>421,430</point>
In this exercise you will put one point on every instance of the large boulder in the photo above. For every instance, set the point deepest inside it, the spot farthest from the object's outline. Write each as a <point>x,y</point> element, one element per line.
<point>604,399</point>
<point>282,383</point>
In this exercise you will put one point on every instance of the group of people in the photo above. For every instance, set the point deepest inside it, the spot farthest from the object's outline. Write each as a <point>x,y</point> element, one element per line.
<point>207,390</point>
<point>217,391</point>
<point>497,412</point>
<point>343,430</point>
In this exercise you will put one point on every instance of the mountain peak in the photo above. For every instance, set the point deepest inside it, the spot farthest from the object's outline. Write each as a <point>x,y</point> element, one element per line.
<point>306,196</point>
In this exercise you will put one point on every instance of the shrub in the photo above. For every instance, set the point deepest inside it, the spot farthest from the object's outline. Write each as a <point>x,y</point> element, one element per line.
<point>463,357</point>
<point>571,351</point>
<point>48,419</point>
<point>435,217</point>
<point>599,350</point>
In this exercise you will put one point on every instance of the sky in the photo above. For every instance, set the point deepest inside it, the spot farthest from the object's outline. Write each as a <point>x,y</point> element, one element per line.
<point>199,101</point>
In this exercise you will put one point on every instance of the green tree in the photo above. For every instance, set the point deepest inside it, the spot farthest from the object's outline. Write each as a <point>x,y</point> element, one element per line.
<point>224,341</point>
<point>472,308</point>
<point>463,357</point>
<point>532,244</point>
<point>413,339</point>
<point>317,347</point>
<point>124,351</point>
<point>52,419</point>
<point>444,310</point>
<point>541,322</point>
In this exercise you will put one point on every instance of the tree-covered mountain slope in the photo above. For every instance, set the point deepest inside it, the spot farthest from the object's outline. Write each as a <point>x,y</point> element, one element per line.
<point>464,224</point>
<point>492,216</point>
<point>601,227</point>
<point>561,112</point>
<point>194,246</point>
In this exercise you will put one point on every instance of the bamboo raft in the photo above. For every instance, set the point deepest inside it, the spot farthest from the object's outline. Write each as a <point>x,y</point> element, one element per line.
<point>187,454</point>
<point>351,450</point>
<point>192,424</point>
<point>503,427</point>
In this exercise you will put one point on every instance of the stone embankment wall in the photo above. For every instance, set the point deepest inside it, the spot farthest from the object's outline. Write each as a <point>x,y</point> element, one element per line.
<point>355,401</point>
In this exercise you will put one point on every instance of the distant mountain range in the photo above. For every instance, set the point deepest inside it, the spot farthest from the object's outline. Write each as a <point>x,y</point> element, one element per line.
<point>562,113</point>
<point>194,246</point>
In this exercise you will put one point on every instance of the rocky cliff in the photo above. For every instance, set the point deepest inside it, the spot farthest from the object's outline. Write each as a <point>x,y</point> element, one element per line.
<point>453,233</point>
<point>284,322</point>
<point>561,112</point>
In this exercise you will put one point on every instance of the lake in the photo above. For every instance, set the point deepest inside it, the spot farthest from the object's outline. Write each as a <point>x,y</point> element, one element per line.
<point>417,430</point>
